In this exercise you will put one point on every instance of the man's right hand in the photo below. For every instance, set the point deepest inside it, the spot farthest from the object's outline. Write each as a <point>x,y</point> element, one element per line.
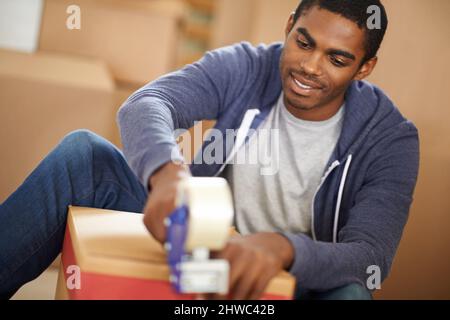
<point>161,201</point>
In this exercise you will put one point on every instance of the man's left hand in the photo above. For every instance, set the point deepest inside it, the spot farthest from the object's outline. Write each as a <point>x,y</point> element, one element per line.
<point>254,260</point>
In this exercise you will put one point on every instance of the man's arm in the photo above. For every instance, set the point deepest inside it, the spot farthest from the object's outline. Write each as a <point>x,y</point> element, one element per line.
<point>198,92</point>
<point>147,120</point>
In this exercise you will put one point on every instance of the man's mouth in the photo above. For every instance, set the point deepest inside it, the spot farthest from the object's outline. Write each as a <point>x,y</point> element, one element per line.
<point>301,85</point>
<point>304,87</point>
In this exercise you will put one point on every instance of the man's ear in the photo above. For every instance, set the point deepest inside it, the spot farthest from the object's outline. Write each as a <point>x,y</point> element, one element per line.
<point>366,69</point>
<point>289,25</point>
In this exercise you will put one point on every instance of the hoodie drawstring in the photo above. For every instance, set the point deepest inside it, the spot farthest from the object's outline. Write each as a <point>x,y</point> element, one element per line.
<point>339,198</point>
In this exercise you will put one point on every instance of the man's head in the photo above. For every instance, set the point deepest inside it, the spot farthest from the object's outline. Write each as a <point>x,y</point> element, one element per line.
<point>328,45</point>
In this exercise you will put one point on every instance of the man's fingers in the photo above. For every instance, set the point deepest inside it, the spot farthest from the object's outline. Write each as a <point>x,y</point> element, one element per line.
<point>217,296</point>
<point>161,200</point>
<point>260,286</point>
<point>155,213</point>
<point>238,263</point>
<point>245,283</point>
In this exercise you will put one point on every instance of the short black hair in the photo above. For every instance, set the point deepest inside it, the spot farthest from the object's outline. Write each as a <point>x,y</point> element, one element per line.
<point>356,11</point>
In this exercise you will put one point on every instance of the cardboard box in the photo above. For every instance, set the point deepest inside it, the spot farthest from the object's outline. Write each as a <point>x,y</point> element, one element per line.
<point>137,38</point>
<point>43,97</point>
<point>119,259</point>
<point>250,21</point>
<point>241,13</point>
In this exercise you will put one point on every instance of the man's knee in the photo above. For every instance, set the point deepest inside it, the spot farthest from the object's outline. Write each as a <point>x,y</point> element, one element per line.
<point>77,141</point>
<point>86,144</point>
<point>353,291</point>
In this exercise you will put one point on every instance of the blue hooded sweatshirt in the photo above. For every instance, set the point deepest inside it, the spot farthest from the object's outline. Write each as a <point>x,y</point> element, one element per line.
<point>362,204</point>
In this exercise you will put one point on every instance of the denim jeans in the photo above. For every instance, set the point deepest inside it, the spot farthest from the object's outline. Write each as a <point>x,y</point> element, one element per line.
<point>353,291</point>
<point>83,170</point>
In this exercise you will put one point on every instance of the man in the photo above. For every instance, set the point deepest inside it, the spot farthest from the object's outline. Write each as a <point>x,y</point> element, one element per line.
<point>347,166</point>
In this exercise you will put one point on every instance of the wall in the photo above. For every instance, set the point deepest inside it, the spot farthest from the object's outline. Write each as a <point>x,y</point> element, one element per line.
<point>413,69</point>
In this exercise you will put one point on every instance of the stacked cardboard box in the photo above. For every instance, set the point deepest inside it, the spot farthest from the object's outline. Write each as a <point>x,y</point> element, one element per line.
<point>136,38</point>
<point>79,78</point>
<point>43,97</point>
<point>196,31</point>
<point>239,20</point>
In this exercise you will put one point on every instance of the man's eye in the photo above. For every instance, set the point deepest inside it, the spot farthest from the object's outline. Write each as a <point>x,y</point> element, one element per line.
<point>302,44</point>
<point>337,62</point>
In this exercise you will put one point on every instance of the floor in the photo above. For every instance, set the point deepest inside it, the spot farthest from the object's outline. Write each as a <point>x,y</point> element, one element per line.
<point>42,288</point>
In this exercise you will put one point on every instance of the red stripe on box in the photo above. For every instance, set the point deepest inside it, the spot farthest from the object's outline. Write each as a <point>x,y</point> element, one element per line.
<point>95,286</point>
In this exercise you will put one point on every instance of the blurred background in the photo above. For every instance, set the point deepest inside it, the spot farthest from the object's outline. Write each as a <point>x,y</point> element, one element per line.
<point>54,79</point>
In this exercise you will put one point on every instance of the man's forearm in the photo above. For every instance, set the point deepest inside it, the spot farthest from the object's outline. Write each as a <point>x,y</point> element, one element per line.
<point>284,247</point>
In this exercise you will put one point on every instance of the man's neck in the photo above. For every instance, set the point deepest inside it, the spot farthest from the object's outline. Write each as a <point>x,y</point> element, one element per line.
<point>320,113</point>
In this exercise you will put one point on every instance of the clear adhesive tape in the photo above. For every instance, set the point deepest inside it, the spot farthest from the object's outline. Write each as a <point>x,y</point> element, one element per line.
<point>210,206</point>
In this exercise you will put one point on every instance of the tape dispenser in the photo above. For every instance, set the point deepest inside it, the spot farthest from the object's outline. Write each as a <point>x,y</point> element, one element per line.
<point>200,224</point>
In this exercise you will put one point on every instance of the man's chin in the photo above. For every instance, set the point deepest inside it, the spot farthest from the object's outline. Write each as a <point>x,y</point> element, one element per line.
<point>302,107</point>
<point>299,105</point>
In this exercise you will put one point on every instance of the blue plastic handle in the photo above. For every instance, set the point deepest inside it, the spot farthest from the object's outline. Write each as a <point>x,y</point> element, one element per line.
<point>176,238</point>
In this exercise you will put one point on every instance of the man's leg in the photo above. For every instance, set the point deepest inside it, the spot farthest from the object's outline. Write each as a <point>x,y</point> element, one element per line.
<point>352,291</point>
<point>83,170</point>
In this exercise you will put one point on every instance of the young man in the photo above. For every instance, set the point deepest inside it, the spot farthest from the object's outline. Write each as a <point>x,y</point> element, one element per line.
<point>336,206</point>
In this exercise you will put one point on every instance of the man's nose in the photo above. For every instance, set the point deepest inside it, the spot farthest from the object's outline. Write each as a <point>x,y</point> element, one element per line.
<point>311,64</point>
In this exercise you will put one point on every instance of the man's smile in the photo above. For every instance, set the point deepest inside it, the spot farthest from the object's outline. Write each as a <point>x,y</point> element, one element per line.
<point>303,87</point>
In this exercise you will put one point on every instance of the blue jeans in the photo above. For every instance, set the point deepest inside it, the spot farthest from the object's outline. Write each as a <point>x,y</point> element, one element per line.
<point>83,170</point>
<point>352,291</point>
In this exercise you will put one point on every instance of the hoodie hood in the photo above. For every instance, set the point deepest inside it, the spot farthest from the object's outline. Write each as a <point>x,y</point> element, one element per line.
<point>369,112</point>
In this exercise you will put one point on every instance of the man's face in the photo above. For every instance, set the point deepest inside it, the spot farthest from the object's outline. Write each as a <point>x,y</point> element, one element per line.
<point>322,55</point>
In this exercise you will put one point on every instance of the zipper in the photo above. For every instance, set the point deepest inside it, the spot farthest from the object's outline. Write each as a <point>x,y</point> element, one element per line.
<point>333,166</point>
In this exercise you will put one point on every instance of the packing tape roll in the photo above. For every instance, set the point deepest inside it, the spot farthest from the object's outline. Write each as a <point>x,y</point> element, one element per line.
<point>210,206</point>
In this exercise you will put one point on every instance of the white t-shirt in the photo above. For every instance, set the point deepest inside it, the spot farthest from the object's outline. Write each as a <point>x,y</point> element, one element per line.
<point>275,192</point>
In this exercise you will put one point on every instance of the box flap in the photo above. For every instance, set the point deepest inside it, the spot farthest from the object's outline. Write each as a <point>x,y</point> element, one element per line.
<point>114,234</point>
<point>56,68</point>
